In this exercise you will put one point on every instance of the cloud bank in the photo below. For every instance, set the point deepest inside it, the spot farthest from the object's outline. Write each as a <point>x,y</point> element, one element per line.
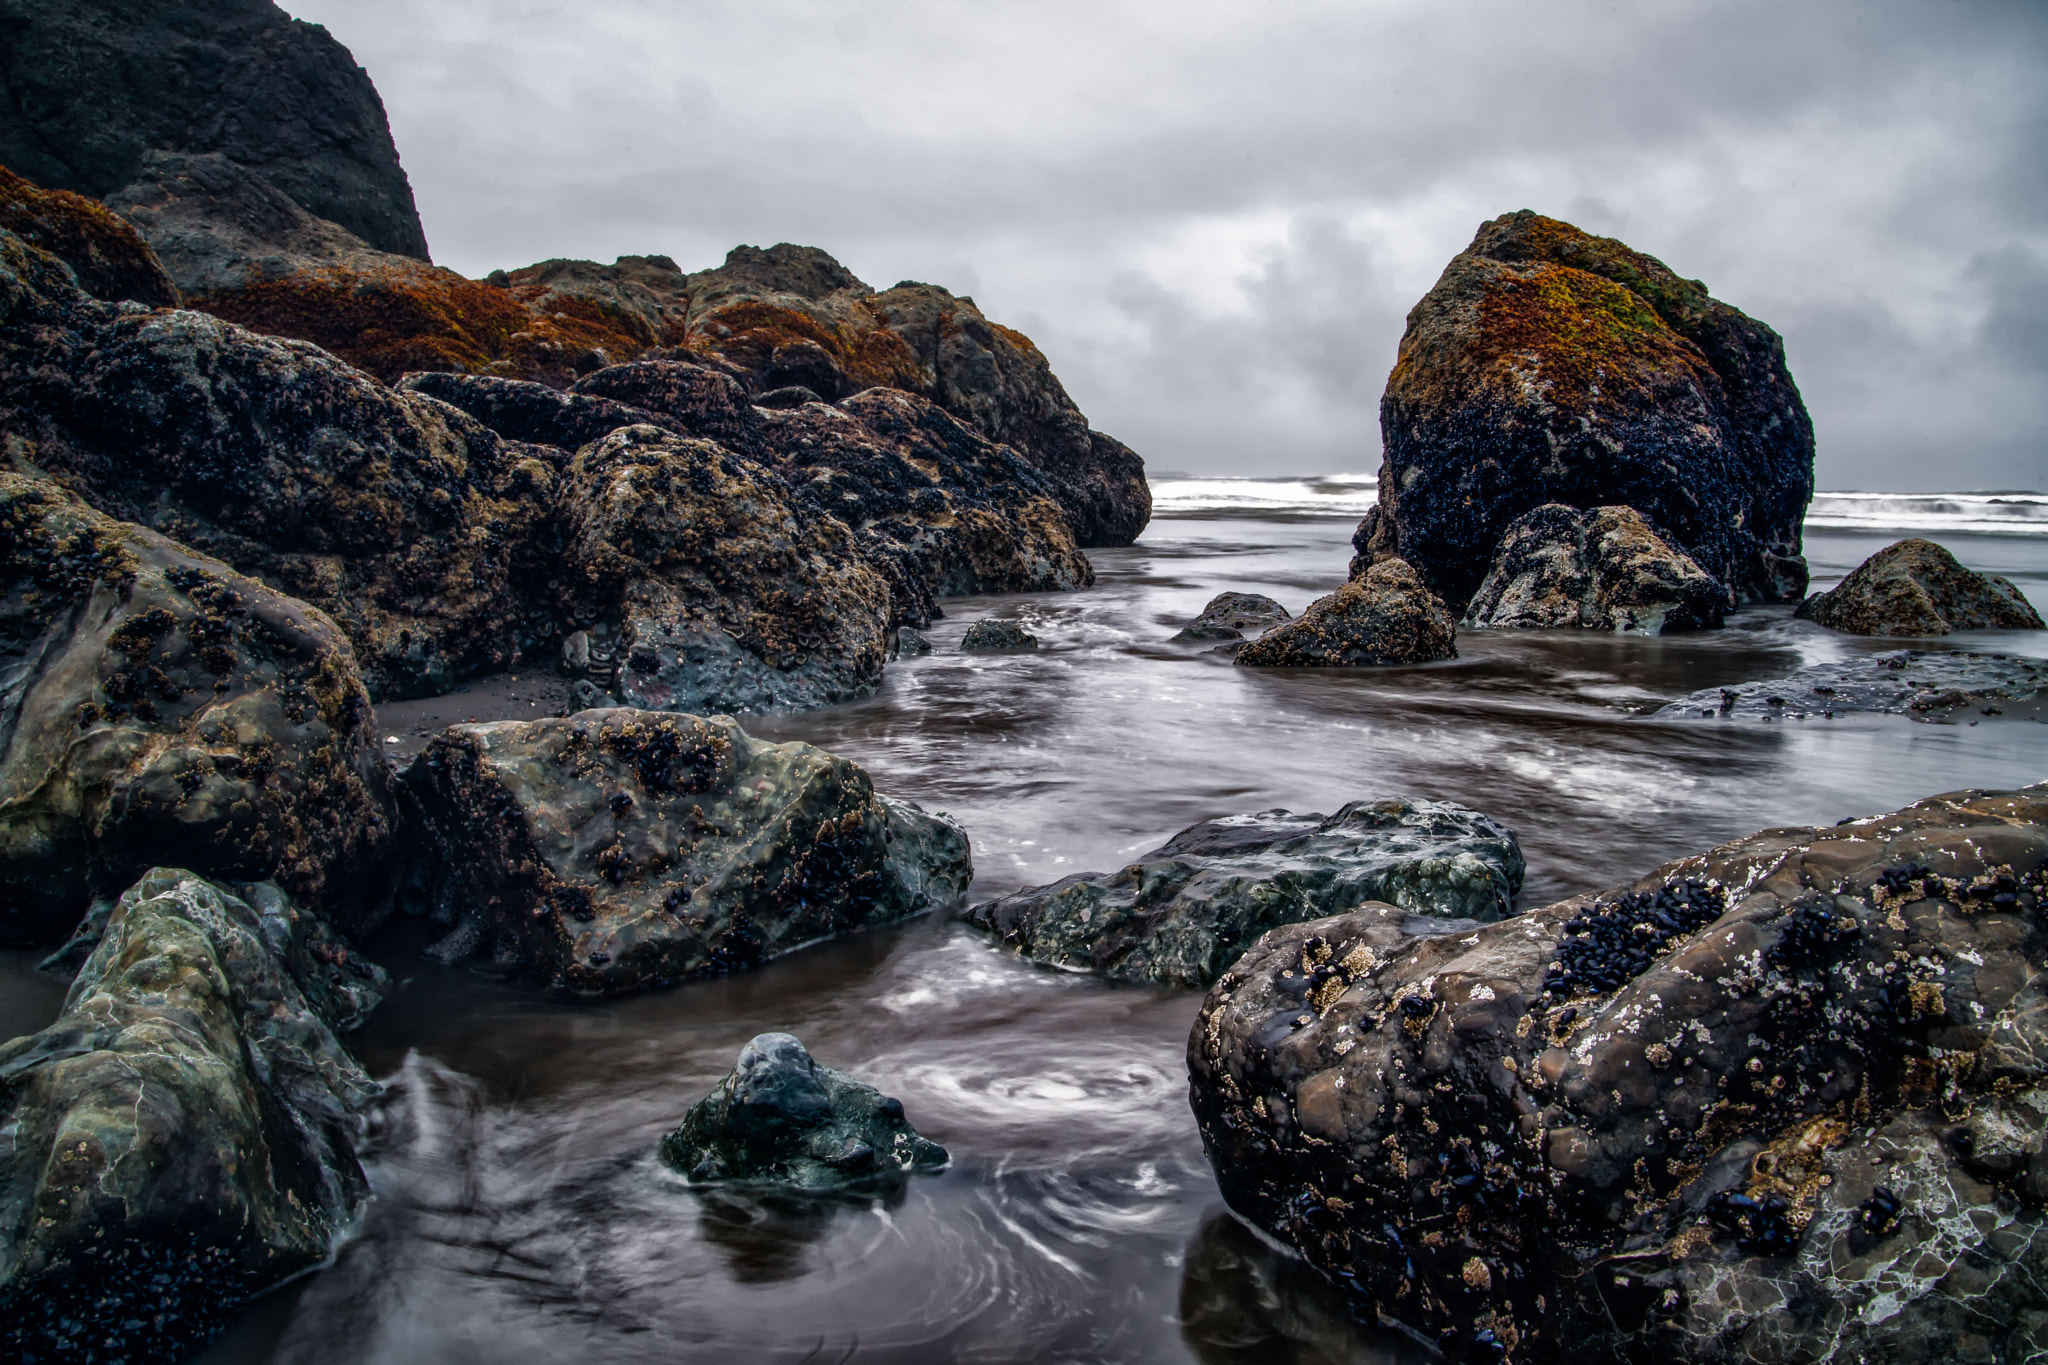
<point>1214,217</point>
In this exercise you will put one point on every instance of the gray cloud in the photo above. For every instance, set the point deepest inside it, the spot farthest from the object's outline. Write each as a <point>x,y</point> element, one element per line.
<point>1214,216</point>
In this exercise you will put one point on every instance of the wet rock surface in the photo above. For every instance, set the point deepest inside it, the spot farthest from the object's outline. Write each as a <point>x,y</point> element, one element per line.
<point>94,87</point>
<point>1778,1101</point>
<point>1550,366</point>
<point>1182,913</point>
<point>1384,616</point>
<point>1915,587</point>
<point>155,705</point>
<point>781,1119</point>
<point>1233,616</point>
<point>183,1136</point>
<point>1924,685</point>
<point>619,849</point>
<point>1603,569</point>
<point>990,636</point>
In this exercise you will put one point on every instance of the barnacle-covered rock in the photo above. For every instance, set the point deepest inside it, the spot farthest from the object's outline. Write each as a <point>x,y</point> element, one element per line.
<point>1384,616</point>
<point>617,849</point>
<point>1551,366</point>
<point>1924,684</point>
<point>991,635</point>
<point>731,595</point>
<point>405,520</point>
<point>1777,1101</point>
<point>1230,615</point>
<point>522,410</point>
<point>1182,913</point>
<point>157,706</point>
<point>183,1136</point>
<point>778,1118</point>
<point>1604,569</point>
<point>1915,587</point>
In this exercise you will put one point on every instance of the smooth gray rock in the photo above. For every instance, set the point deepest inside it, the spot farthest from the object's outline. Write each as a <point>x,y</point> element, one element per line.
<point>1233,615</point>
<point>1922,684</point>
<point>1181,914</point>
<point>909,643</point>
<point>781,1119</point>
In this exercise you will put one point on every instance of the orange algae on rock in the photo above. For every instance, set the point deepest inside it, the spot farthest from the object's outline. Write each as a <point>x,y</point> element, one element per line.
<point>110,258</point>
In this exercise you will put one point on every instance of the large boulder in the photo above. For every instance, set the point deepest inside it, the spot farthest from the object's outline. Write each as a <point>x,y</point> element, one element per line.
<point>1547,365</point>
<point>778,1118</point>
<point>109,259</point>
<point>156,706</point>
<point>404,519</point>
<point>93,87</point>
<point>1901,682</point>
<point>1230,615</point>
<point>1182,913</point>
<point>725,595</point>
<point>183,1136</point>
<point>1384,616</point>
<point>1604,569</point>
<point>1915,587</point>
<point>1778,1101</point>
<point>617,849</point>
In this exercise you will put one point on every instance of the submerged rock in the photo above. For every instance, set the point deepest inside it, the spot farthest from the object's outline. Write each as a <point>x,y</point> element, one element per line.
<point>779,1118</point>
<point>909,643</point>
<point>1182,913</point>
<point>1780,1100</point>
<point>1551,366</point>
<point>1385,616</point>
<point>1604,569</point>
<point>1230,615</point>
<point>989,635</point>
<point>1909,682</point>
<point>183,1136</point>
<point>1915,587</point>
<point>618,849</point>
<point>157,706</point>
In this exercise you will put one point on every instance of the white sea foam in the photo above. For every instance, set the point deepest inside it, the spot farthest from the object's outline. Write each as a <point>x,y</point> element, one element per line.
<point>2013,514</point>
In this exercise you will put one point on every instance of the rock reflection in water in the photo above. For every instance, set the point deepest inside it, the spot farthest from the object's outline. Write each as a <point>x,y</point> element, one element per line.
<point>765,1233</point>
<point>1242,1302</point>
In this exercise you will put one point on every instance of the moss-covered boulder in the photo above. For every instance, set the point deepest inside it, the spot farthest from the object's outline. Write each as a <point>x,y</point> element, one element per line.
<point>1916,588</point>
<point>1778,1101</point>
<point>1384,616</point>
<point>109,259</point>
<point>1551,366</point>
<point>1603,569</point>
<point>618,849</point>
<point>778,1118</point>
<point>183,1136</point>
<point>1182,913</point>
<point>157,706</point>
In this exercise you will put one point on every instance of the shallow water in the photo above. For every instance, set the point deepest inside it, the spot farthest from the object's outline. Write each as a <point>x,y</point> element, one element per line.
<point>518,1215</point>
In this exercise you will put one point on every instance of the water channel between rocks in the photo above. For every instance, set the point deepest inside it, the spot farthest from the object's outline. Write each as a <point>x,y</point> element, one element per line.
<point>519,1215</point>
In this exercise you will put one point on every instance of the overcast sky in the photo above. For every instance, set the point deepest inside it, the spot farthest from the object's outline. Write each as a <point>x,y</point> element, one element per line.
<point>1213,217</point>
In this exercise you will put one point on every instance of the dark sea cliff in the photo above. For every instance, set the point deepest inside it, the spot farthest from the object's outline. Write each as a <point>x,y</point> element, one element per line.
<point>520,1214</point>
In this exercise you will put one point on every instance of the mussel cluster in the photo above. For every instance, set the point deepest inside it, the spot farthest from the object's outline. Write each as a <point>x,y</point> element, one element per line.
<point>1908,879</point>
<point>1760,1227</point>
<point>1609,945</point>
<point>1813,934</point>
<point>1879,1214</point>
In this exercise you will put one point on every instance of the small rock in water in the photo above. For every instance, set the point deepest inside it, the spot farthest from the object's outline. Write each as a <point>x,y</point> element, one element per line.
<point>1386,616</point>
<point>779,1118</point>
<point>988,635</point>
<point>909,643</point>
<point>1915,587</point>
<point>1230,615</point>
<point>1911,682</point>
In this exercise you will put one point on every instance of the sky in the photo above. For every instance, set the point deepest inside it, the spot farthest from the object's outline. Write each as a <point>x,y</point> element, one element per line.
<point>1214,217</point>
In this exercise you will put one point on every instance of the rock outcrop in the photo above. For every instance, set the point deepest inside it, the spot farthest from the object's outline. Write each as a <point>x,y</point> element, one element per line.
<point>1550,366</point>
<point>1908,682</point>
<point>1182,913</point>
<point>109,259</point>
<point>157,706</point>
<point>992,636</point>
<point>1604,569</point>
<point>1231,615</point>
<point>618,849</point>
<point>778,1118</point>
<point>90,88</point>
<point>1384,616</point>
<point>183,1136</point>
<point>1778,1101</point>
<point>1916,588</point>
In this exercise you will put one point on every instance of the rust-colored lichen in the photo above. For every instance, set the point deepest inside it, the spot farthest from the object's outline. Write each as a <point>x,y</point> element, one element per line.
<point>1579,336</point>
<point>110,258</point>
